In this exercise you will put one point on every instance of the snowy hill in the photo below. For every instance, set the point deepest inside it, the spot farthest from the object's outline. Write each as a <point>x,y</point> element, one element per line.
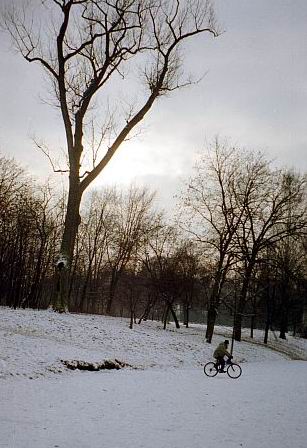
<point>35,342</point>
<point>166,401</point>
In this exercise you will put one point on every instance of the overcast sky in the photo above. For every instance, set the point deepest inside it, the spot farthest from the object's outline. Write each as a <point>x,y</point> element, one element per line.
<point>254,94</point>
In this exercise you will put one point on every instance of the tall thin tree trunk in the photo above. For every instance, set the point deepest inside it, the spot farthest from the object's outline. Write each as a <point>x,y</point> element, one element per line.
<point>242,302</point>
<point>165,316</point>
<point>174,316</point>
<point>253,320</point>
<point>237,329</point>
<point>187,315</point>
<point>284,309</point>
<point>211,318</point>
<point>85,284</point>
<point>266,330</point>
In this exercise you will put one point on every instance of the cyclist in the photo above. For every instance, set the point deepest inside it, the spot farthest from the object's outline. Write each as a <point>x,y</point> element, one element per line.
<point>220,352</point>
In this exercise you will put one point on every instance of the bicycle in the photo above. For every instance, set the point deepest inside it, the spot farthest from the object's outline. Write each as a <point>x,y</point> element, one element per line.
<point>233,370</point>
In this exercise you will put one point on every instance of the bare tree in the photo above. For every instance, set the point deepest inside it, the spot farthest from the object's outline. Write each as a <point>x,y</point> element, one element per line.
<point>84,45</point>
<point>237,207</point>
<point>266,195</point>
<point>132,223</point>
<point>97,222</point>
<point>133,287</point>
<point>162,261</point>
<point>188,265</point>
<point>211,215</point>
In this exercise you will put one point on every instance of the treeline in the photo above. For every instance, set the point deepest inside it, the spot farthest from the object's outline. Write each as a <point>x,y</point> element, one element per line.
<point>237,247</point>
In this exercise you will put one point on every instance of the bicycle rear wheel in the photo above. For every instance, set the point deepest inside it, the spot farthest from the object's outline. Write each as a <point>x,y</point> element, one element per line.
<point>210,369</point>
<point>234,371</point>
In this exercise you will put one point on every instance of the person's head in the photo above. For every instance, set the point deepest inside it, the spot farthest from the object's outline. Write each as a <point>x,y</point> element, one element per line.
<point>226,343</point>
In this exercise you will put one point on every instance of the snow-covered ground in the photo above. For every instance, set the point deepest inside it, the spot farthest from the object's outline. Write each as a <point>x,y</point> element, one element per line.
<point>166,401</point>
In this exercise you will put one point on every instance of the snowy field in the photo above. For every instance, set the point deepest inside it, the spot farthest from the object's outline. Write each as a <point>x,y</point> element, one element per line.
<point>165,402</point>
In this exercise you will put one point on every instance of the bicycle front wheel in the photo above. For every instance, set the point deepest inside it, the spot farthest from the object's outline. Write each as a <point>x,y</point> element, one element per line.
<point>234,371</point>
<point>210,369</point>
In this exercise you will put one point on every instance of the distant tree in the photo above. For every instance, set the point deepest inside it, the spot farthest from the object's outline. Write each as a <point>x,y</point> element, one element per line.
<point>42,213</point>
<point>132,223</point>
<point>162,261</point>
<point>267,278</point>
<point>189,264</point>
<point>91,249</point>
<point>133,286</point>
<point>211,215</point>
<point>289,259</point>
<point>28,237</point>
<point>85,46</point>
<point>266,195</point>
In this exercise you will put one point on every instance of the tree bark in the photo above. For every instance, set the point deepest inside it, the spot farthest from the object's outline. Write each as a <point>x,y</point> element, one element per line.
<point>237,330</point>
<point>211,318</point>
<point>71,225</point>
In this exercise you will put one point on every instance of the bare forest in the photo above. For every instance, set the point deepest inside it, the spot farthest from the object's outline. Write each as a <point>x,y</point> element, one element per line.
<point>235,253</point>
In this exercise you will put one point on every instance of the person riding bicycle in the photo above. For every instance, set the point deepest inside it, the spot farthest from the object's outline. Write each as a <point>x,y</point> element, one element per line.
<point>220,352</point>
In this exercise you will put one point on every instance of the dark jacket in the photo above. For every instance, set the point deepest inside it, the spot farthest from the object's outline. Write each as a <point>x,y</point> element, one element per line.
<point>221,351</point>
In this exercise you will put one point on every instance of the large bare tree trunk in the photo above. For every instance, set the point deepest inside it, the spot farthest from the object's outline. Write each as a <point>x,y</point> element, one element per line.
<point>71,225</point>
<point>211,318</point>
